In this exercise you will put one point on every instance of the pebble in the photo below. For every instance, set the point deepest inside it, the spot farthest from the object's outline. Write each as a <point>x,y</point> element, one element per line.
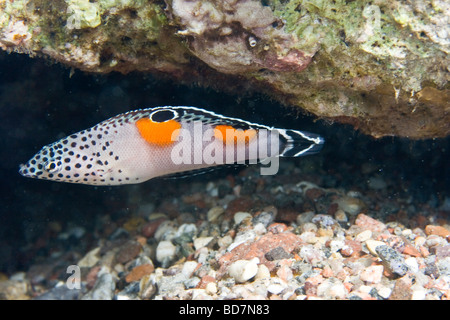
<point>214,213</point>
<point>369,223</point>
<point>384,292</point>
<point>202,242</point>
<point>265,217</point>
<point>444,267</point>
<point>419,294</point>
<point>419,241</point>
<point>168,284</point>
<point>140,271</point>
<point>192,283</point>
<point>277,254</point>
<point>165,252</point>
<point>241,216</point>
<point>243,237</point>
<point>130,292</point>
<point>133,223</point>
<point>90,259</point>
<point>311,254</point>
<point>309,227</point>
<point>285,273</point>
<point>14,290</point>
<point>435,241</point>
<point>211,288</point>
<point>243,270</point>
<point>331,289</point>
<point>372,246</point>
<point>402,289</point>
<point>351,248</point>
<point>443,252</point>
<point>225,241</point>
<point>340,216</point>
<point>372,274</point>
<point>262,273</point>
<point>189,268</point>
<point>364,236</point>
<point>205,280</point>
<point>336,245</point>
<point>412,264</point>
<point>323,221</point>
<point>61,292</point>
<point>393,260</point>
<point>166,230</point>
<point>103,289</point>
<point>350,205</point>
<point>305,217</point>
<point>185,232</point>
<point>128,251</point>
<point>275,288</point>
<point>437,230</point>
<point>148,230</point>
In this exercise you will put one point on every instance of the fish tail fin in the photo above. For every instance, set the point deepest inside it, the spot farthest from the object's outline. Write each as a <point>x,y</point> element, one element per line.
<point>300,143</point>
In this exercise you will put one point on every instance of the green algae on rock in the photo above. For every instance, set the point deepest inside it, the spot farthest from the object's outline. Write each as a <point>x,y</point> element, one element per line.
<point>381,66</point>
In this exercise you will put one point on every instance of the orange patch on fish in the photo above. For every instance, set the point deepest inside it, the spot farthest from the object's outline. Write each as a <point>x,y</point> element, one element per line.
<point>230,135</point>
<point>158,133</point>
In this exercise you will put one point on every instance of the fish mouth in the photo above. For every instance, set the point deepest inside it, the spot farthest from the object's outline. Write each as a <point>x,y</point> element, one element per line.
<point>23,171</point>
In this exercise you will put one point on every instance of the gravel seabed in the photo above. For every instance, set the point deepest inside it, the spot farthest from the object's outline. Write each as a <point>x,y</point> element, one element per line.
<point>245,236</point>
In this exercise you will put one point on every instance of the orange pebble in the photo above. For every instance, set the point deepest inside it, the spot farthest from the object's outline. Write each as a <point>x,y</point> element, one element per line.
<point>437,230</point>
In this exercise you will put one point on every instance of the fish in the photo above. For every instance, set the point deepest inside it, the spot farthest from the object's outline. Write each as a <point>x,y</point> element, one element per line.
<point>139,145</point>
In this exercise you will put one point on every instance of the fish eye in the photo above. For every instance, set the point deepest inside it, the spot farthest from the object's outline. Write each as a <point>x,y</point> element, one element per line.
<point>52,166</point>
<point>163,115</point>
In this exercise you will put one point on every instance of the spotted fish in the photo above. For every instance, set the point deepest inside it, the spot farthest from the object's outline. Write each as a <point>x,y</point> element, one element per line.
<point>143,144</point>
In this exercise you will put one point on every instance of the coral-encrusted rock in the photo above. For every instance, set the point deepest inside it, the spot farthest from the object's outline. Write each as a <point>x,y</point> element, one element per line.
<point>382,66</point>
<point>238,36</point>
